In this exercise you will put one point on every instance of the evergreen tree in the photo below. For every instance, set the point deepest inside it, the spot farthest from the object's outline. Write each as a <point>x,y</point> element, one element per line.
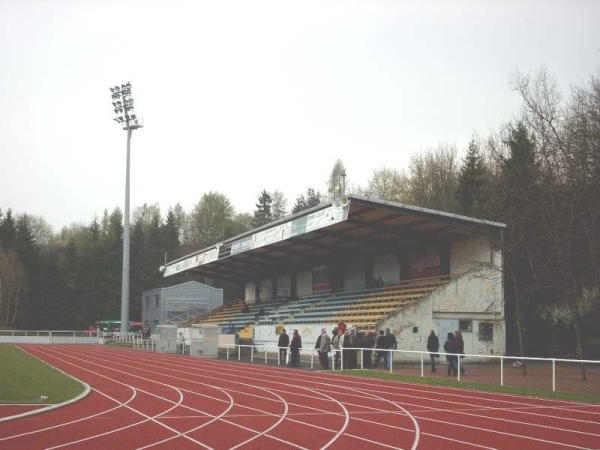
<point>28,253</point>
<point>336,185</point>
<point>262,214</point>
<point>299,205</point>
<point>523,259</point>
<point>313,198</point>
<point>279,205</point>
<point>8,232</point>
<point>473,181</point>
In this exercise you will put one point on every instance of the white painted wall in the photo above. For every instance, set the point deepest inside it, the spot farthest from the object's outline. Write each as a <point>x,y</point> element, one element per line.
<point>466,254</point>
<point>250,294</point>
<point>387,267</point>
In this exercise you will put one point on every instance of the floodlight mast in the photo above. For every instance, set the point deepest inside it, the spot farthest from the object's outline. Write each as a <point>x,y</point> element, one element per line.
<point>125,115</point>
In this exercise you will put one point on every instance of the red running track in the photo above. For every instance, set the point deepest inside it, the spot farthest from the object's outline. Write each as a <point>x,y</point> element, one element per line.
<point>145,400</point>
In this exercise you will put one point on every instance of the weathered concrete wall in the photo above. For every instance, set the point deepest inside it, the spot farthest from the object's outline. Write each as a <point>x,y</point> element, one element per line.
<point>470,297</point>
<point>465,255</point>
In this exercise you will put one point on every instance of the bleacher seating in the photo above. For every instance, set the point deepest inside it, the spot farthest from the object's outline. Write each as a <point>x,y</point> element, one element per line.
<point>362,308</point>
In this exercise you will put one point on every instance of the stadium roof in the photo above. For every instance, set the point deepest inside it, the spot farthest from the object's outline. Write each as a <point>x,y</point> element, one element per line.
<point>339,230</point>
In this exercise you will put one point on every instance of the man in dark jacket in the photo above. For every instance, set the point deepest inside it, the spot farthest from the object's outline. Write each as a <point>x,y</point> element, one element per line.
<point>352,343</point>
<point>367,342</point>
<point>451,346</point>
<point>381,344</point>
<point>392,345</point>
<point>283,343</point>
<point>295,347</point>
<point>433,345</point>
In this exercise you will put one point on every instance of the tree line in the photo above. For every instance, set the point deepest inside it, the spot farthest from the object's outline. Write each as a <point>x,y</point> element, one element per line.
<point>539,174</point>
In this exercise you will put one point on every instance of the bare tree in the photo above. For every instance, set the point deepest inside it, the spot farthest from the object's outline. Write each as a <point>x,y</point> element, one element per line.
<point>389,184</point>
<point>433,178</point>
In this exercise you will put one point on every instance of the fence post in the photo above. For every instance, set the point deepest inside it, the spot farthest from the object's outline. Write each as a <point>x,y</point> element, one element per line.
<point>501,370</point>
<point>265,355</point>
<point>391,360</point>
<point>422,365</point>
<point>553,375</point>
<point>239,347</point>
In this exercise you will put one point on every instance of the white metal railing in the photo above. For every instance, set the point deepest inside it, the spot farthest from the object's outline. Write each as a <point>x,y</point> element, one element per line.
<point>75,337</point>
<point>412,357</point>
<point>47,333</point>
<point>144,344</point>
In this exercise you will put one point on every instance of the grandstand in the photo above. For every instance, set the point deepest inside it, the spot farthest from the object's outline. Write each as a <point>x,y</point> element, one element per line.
<point>362,308</point>
<point>369,263</point>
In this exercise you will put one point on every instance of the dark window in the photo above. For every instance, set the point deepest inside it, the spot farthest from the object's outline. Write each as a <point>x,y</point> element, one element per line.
<point>465,325</point>
<point>486,331</point>
<point>156,301</point>
<point>415,329</point>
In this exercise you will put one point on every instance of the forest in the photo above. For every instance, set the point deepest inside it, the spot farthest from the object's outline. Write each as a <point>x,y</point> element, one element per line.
<point>539,173</point>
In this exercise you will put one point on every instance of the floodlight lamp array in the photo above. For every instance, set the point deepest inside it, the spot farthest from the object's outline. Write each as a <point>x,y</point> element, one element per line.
<point>123,107</point>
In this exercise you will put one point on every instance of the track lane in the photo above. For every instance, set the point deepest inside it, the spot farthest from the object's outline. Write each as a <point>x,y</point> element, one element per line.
<point>256,388</point>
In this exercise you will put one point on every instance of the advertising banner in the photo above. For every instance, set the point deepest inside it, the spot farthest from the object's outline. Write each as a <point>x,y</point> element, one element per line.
<point>425,264</point>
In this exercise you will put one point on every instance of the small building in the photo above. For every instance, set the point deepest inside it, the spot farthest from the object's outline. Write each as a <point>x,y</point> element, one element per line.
<point>178,304</point>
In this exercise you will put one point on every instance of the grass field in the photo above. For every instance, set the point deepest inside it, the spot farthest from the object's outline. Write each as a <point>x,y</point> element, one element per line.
<point>24,379</point>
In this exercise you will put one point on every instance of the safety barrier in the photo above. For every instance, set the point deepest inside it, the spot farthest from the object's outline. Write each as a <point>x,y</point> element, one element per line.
<point>554,374</point>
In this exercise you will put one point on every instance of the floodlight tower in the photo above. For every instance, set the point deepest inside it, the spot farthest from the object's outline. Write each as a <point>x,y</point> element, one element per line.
<point>125,115</point>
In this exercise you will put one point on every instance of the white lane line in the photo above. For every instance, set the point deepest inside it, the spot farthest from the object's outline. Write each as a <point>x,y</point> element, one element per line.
<point>203,384</point>
<point>86,391</point>
<point>148,418</point>
<point>423,433</point>
<point>70,422</point>
<point>319,397</point>
<point>272,427</point>
<point>505,433</point>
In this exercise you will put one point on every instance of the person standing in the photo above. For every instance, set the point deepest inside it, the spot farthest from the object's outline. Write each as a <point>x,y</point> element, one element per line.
<point>335,342</point>
<point>433,345</point>
<point>343,354</point>
<point>283,343</point>
<point>461,348</point>
<point>381,346</point>
<point>392,345</point>
<point>324,350</point>
<point>450,346</point>
<point>367,342</point>
<point>352,343</point>
<point>295,347</point>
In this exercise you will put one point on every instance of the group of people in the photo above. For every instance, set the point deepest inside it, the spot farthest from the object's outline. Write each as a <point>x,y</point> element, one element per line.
<point>350,340</point>
<point>454,345</point>
<point>294,345</point>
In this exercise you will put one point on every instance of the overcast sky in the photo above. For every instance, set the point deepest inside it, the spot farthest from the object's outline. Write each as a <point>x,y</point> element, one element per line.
<point>241,96</point>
